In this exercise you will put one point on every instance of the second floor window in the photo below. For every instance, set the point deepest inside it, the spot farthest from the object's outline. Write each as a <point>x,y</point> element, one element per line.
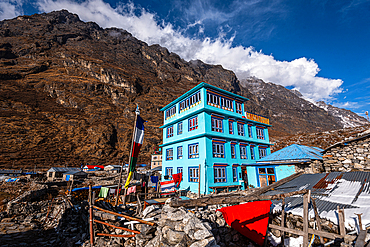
<point>250,131</point>
<point>193,123</point>
<point>241,129</point>
<point>179,152</point>
<point>169,154</point>
<point>170,131</point>
<point>243,152</point>
<point>193,151</point>
<point>233,152</point>
<point>216,124</point>
<point>260,134</point>
<point>218,150</point>
<point>179,128</point>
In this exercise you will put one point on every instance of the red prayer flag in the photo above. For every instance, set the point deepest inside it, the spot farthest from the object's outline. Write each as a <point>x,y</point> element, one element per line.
<point>177,178</point>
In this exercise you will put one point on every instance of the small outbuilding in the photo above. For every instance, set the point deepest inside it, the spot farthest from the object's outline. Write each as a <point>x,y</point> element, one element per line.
<point>74,175</point>
<point>283,163</point>
<point>57,172</point>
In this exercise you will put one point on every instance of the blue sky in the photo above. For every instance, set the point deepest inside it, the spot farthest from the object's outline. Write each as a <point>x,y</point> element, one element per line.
<point>320,47</point>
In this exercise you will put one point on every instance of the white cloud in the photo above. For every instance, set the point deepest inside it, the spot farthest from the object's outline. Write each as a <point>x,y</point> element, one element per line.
<point>244,61</point>
<point>10,9</point>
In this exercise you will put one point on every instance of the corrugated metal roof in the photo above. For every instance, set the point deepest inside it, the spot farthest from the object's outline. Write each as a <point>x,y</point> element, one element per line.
<point>348,190</point>
<point>63,169</point>
<point>294,152</point>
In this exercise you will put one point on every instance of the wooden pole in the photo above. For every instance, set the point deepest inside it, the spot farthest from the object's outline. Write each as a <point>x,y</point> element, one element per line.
<point>305,220</point>
<point>199,182</point>
<point>317,217</point>
<point>342,228</point>
<point>282,220</point>
<point>128,170</point>
<point>115,235</point>
<point>359,221</point>
<point>91,217</point>
<point>118,227</point>
<point>125,216</point>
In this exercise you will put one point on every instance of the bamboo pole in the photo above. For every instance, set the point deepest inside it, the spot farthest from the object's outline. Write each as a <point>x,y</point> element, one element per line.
<point>91,217</point>
<point>118,227</point>
<point>128,170</point>
<point>125,216</point>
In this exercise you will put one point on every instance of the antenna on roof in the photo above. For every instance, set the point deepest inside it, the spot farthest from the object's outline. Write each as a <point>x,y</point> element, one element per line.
<point>367,115</point>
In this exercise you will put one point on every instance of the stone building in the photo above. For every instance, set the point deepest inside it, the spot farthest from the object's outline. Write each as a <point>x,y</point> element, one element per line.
<point>349,155</point>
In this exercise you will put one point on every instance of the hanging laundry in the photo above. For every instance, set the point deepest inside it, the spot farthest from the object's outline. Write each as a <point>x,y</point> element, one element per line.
<point>177,178</point>
<point>103,192</point>
<point>112,191</point>
<point>131,190</point>
<point>154,180</point>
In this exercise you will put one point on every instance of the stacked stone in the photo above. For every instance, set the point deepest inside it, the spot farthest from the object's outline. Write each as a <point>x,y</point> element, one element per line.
<point>355,156</point>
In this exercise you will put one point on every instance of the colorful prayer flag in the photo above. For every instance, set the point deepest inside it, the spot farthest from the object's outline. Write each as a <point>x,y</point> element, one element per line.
<point>137,142</point>
<point>168,186</point>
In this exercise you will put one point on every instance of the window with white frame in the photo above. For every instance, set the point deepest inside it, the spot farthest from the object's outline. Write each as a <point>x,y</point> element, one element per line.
<point>220,174</point>
<point>179,128</point>
<point>213,99</point>
<point>170,112</point>
<point>179,152</point>
<point>239,108</point>
<point>231,129</point>
<point>193,174</point>
<point>241,129</point>
<point>193,151</point>
<point>233,151</point>
<point>260,134</point>
<point>169,154</point>
<point>170,131</point>
<point>243,152</point>
<point>218,150</point>
<point>252,152</point>
<point>217,124</point>
<point>250,131</point>
<point>262,152</point>
<point>235,174</point>
<point>193,123</point>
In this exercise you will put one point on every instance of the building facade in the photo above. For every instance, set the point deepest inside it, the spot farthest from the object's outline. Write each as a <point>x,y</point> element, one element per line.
<point>156,161</point>
<point>209,138</point>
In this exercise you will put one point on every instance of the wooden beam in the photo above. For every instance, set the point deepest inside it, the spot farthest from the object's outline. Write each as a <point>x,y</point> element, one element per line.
<point>282,220</point>
<point>317,217</point>
<point>360,241</point>
<point>115,235</point>
<point>229,199</point>
<point>125,216</point>
<point>118,227</point>
<point>342,228</point>
<point>305,220</point>
<point>310,230</point>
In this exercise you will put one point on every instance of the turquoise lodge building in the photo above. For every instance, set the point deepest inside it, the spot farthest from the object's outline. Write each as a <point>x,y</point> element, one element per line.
<point>214,142</point>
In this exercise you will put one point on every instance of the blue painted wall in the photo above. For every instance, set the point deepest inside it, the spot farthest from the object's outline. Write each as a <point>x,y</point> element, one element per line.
<point>205,137</point>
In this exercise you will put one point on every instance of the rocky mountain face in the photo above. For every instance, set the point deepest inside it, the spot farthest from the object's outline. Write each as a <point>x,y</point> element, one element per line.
<point>69,89</point>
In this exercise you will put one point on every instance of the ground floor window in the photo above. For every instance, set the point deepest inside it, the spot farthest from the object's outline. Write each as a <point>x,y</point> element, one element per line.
<point>235,174</point>
<point>169,172</point>
<point>193,174</point>
<point>266,176</point>
<point>179,170</point>
<point>220,174</point>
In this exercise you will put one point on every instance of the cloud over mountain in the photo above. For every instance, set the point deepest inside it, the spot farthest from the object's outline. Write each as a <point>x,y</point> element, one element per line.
<point>300,73</point>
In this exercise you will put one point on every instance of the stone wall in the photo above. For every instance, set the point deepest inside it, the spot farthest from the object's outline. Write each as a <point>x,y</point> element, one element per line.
<point>354,156</point>
<point>312,167</point>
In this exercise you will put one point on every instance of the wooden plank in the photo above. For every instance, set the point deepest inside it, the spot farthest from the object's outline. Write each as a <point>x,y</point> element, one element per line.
<point>305,220</point>
<point>317,217</point>
<point>118,227</point>
<point>125,216</point>
<point>360,241</point>
<point>342,228</point>
<point>230,199</point>
<point>115,235</point>
<point>311,231</point>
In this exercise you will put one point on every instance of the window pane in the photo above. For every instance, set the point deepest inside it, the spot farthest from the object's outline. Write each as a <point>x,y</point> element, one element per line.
<point>271,179</point>
<point>270,170</point>
<point>261,170</point>
<point>263,181</point>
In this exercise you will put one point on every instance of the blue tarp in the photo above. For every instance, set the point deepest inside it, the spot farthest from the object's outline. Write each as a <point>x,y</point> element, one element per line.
<point>86,188</point>
<point>11,180</point>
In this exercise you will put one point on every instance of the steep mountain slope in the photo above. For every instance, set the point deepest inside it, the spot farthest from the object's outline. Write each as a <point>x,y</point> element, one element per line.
<point>69,89</point>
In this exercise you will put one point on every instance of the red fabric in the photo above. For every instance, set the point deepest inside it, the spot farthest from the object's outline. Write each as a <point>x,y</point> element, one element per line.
<point>177,178</point>
<point>136,149</point>
<point>250,219</point>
